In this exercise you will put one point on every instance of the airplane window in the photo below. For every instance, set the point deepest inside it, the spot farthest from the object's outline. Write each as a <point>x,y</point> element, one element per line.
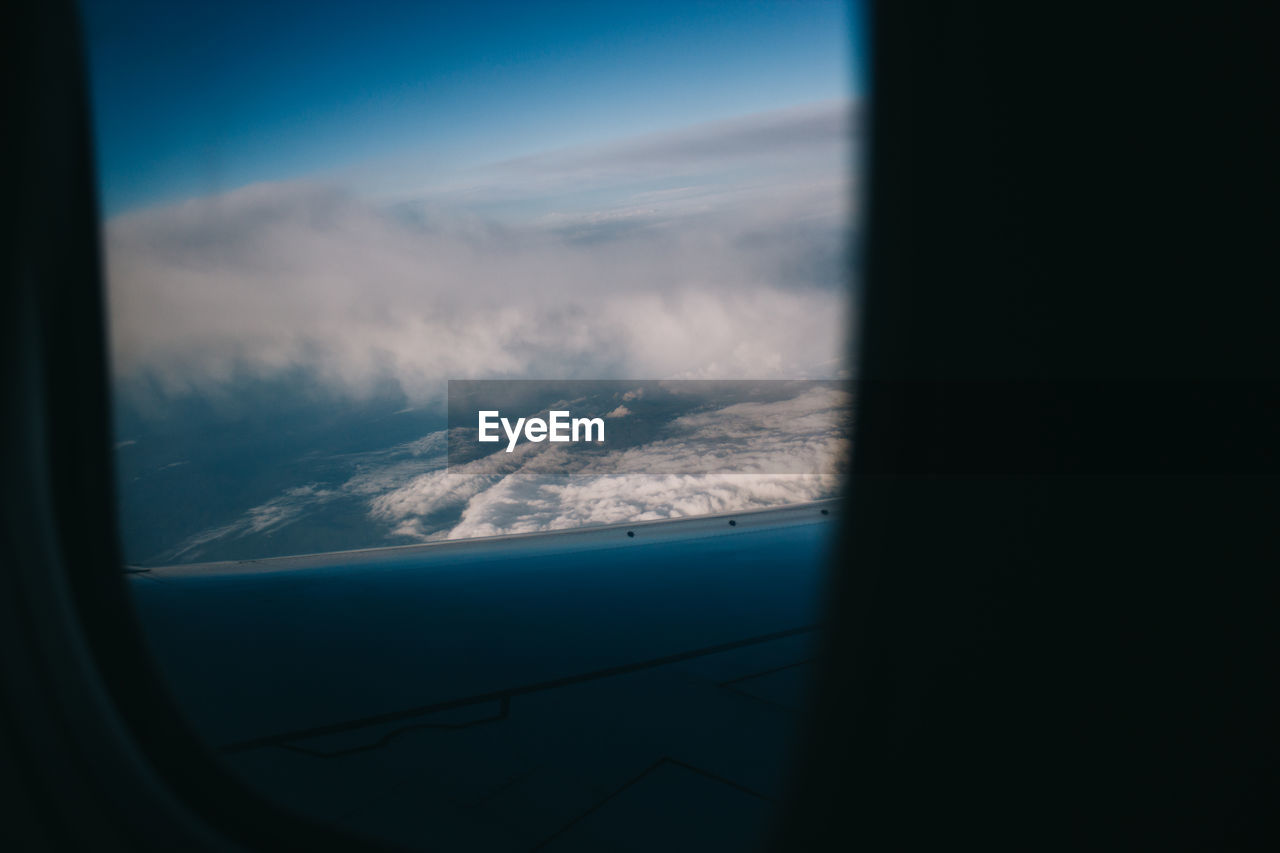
<point>481,394</point>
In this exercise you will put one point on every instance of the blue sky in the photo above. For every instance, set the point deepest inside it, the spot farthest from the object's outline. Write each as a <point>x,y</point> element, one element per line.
<point>191,101</point>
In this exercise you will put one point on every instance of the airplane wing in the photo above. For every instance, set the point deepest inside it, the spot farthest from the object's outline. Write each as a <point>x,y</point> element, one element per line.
<point>609,688</point>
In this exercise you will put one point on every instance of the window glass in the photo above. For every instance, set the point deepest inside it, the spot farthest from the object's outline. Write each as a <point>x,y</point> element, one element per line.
<point>363,263</point>
<point>315,215</point>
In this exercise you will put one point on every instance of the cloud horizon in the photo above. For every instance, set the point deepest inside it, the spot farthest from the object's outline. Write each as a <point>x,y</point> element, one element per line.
<point>718,251</point>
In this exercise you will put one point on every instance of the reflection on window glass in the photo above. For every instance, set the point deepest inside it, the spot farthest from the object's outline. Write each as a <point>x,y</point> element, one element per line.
<point>315,216</point>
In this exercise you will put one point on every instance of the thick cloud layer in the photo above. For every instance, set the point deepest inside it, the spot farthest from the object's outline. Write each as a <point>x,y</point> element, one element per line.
<point>715,252</point>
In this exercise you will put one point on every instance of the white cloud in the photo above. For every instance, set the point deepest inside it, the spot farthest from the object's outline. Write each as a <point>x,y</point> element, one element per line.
<point>743,456</point>
<point>729,275</point>
<point>731,458</point>
<point>521,505</point>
